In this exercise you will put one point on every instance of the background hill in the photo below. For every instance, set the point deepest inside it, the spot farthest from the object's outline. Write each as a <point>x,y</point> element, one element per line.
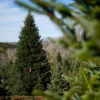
<point>8,49</point>
<point>5,46</point>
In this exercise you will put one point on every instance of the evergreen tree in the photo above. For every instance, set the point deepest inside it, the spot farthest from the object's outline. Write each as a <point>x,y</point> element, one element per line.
<point>59,58</point>
<point>4,76</point>
<point>66,66</point>
<point>58,84</point>
<point>70,66</point>
<point>31,64</point>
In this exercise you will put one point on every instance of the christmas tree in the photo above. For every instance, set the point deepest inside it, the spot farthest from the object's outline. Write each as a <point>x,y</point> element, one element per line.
<point>59,58</point>
<point>66,66</point>
<point>58,84</point>
<point>31,63</point>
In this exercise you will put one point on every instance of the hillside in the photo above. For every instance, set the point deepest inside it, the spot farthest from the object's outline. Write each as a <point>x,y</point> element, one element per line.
<point>47,46</point>
<point>53,49</point>
<point>5,46</point>
<point>7,51</point>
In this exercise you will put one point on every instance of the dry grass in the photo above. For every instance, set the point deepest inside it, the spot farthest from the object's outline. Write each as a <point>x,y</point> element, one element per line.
<point>1,49</point>
<point>21,98</point>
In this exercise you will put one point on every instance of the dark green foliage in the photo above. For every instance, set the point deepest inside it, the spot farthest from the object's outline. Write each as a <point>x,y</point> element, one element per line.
<point>71,66</point>
<point>29,55</point>
<point>66,67</point>
<point>58,84</point>
<point>88,3</point>
<point>14,82</point>
<point>4,76</point>
<point>74,65</point>
<point>59,58</point>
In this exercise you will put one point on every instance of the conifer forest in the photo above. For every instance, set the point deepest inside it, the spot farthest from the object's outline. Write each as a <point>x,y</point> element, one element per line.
<point>34,72</point>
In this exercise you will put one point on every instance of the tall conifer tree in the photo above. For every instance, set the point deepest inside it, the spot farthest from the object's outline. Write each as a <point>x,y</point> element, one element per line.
<point>59,58</point>
<point>31,59</point>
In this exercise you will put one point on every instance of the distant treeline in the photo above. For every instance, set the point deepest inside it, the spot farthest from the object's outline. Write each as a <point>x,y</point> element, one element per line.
<point>5,46</point>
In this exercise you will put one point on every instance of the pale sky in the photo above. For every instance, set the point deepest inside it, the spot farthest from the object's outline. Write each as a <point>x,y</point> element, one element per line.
<point>12,17</point>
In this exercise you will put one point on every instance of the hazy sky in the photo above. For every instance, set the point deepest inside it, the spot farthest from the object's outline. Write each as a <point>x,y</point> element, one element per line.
<point>12,17</point>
